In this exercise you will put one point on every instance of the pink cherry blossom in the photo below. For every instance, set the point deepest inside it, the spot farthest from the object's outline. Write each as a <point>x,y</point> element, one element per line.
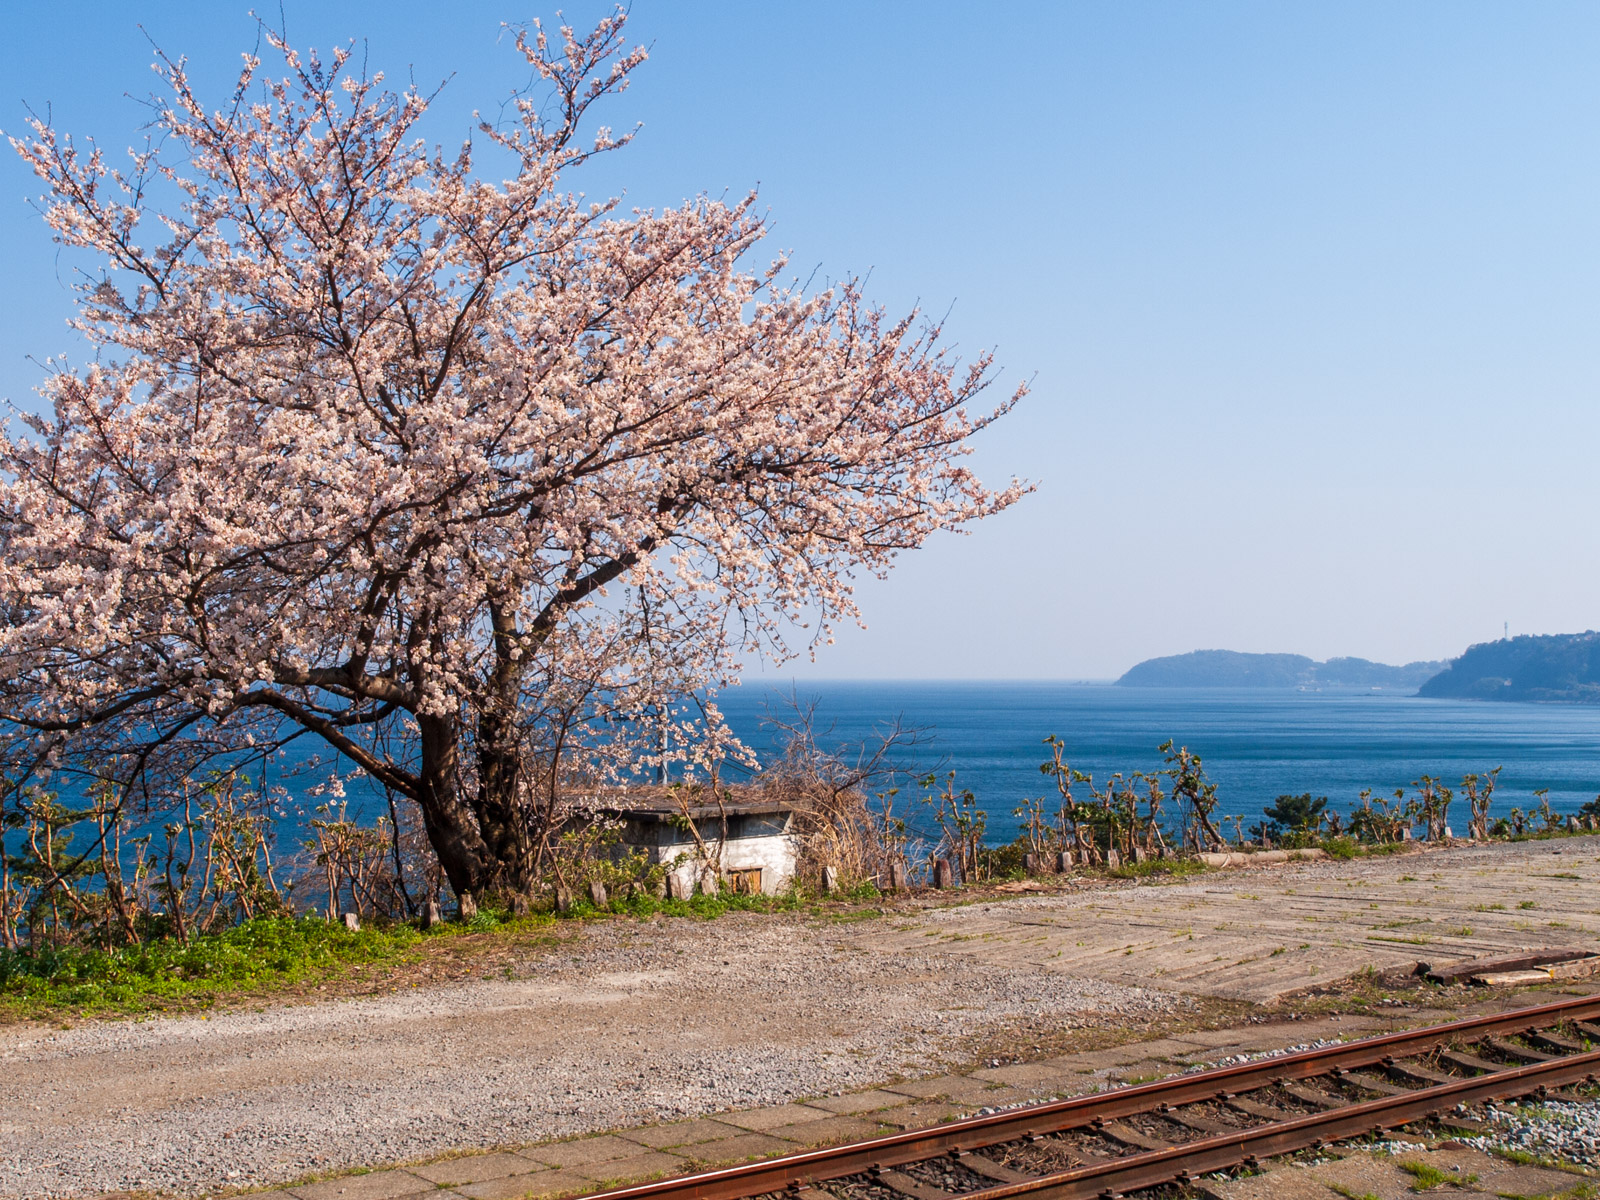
<point>486,487</point>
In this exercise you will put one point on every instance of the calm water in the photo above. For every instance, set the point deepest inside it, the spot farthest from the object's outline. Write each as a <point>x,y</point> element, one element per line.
<point>1256,744</point>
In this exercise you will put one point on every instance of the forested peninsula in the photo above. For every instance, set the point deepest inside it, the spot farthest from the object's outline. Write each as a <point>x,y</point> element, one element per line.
<point>1552,668</point>
<point>1560,667</point>
<point>1231,668</point>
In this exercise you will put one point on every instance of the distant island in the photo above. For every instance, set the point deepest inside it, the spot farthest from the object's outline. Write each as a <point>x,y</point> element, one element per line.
<point>1231,668</point>
<point>1560,667</point>
<point>1547,668</point>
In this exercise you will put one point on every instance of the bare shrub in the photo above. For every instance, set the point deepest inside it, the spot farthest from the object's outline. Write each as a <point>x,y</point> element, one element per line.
<point>843,799</point>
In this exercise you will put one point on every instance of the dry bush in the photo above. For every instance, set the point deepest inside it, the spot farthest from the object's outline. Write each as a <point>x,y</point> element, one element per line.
<point>843,799</point>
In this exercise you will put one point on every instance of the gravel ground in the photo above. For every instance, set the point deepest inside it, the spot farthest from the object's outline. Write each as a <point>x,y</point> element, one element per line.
<point>634,1023</point>
<point>1551,1130</point>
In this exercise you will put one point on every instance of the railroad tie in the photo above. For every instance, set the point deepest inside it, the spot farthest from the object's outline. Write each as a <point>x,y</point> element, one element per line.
<point>1468,1062</point>
<point>1118,1132</point>
<point>1312,1097</point>
<point>1372,1083</point>
<point>1251,1109</point>
<point>1514,1051</point>
<point>1588,1029</point>
<point>907,1186</point>
<point>1418,1073</point>
<point>1199,1124</point>
<point>999,1172</point>
<point>1554,1042</point>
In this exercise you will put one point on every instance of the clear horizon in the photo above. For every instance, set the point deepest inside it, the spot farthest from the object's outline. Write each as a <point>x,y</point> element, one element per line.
<point>1307,295</point>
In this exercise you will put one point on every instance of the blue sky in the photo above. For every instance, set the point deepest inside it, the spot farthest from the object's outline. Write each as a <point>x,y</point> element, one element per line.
<point>1308,293</point>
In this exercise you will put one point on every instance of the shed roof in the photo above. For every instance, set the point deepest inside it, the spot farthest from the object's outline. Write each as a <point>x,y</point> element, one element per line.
<point>657,810</point>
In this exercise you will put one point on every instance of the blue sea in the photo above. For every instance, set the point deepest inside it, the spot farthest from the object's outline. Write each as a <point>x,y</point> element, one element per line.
<point>1256,744</point>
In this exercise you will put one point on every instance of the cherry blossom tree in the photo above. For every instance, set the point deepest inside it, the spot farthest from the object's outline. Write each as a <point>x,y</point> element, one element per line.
<point>476,482</point>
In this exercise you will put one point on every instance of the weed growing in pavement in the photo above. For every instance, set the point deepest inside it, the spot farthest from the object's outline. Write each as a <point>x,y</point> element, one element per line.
<point>1428,1176</point>
<point>1351,1193</point>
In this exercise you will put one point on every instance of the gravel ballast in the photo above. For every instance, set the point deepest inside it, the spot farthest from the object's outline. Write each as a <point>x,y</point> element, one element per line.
<point>631,1024</point>
<point>1553,1130</point>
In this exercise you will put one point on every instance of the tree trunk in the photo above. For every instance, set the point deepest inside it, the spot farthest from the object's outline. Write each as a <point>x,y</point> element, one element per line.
<point>463,854</point>
<point>499,818</point>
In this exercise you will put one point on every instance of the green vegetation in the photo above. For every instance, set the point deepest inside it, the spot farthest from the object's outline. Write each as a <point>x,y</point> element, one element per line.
<point>1294,814</point>
<point>266,953</point>
<point>1231,668</point>
<point>276,954</point>
<point>1428,1176</point>
<point>1153,868</point>
<point>1562,666</point>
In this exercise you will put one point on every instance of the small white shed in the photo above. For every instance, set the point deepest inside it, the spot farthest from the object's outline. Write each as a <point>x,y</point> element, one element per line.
<point>750,844</point>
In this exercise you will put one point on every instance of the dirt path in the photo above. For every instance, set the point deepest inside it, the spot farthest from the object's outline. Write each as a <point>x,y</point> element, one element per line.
<point>635,1023</point>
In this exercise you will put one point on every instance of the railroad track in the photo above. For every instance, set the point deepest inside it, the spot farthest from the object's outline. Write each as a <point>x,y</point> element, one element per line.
<point>1174,1131</point>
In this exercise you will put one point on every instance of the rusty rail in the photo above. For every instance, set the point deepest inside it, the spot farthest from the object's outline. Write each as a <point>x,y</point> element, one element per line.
<point>1188,1159</point>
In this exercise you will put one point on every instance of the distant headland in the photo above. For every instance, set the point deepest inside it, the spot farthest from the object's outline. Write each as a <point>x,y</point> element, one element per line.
<point>1560,667</point>
<point>1231,668</point>
<point>1549,668</point>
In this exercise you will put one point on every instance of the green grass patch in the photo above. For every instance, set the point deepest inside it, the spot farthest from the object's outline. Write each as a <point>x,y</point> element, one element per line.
<point>280,954</point>
<point>1176,868</point>
<point>270,952</point>
<point>1426,1176</point>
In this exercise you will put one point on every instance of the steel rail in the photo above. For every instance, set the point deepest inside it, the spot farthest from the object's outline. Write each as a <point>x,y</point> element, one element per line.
<point>973,1133</point>
<point>1190,1159</point>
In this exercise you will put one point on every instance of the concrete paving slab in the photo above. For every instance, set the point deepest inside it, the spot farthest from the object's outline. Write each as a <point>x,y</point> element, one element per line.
<point>473,1168</point>
<point>1002,1096</point>
<point>582,1152</point>
<point>1021,1073</point>
<point>955,1087</point>
<point>1096,1060</point>
<point>1213,1038</point>
<point>834,1129</point>
<point>739,1149</point>
<point>638,1167</point>
<point>375,1185</point>
<point>920,1116</point>
<point>680,1133</point>
<point>1167,1048</point>
<point>1144,1071</point>
<point>857,1102</point>
<point>538,1183</point>
<point>759,1120</point>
